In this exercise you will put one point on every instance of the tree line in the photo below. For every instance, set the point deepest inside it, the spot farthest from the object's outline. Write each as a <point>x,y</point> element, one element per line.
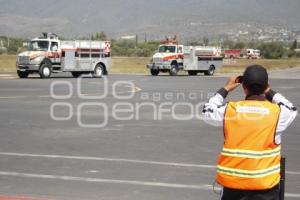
<point>133,48</point>
<point>128,47</point>
<point>11,45</point>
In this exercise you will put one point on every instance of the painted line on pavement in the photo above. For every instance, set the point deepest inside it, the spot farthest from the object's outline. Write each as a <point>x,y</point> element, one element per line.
<point>292,195</point>
<point>23,97</point>
<point>134,90</point>
<point>116,181</point>
<point>13,97</point>
<point>108,159</point>
<point>109,181</point>
<point>292,172</point>
<point>172,164</point>
<point>2,197</point>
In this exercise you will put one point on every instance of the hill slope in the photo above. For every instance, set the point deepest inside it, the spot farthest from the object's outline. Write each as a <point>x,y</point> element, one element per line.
<point>156,17</point>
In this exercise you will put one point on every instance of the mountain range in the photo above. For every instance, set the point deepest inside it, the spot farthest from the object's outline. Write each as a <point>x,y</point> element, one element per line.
<point>156,18</point>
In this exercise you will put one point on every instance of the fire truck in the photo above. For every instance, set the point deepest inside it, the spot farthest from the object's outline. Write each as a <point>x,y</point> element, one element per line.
<point>48,54</point>
<point>233,53</point>
<point>172,57</point>
<point>253,54</point>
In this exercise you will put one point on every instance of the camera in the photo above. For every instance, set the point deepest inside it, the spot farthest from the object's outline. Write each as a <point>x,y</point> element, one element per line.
<point>239,79</point>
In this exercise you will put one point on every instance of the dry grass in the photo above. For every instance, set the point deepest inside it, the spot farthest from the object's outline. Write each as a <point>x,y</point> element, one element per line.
<point>138,65</point>
<point>129,65</point>
<point>7,63</point>
<point>240,64</point>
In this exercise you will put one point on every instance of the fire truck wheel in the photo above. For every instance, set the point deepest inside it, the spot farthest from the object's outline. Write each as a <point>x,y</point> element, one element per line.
<point>98,72</point>
<point>22,74</point>
<point>45,71</point>
<point>173,70</point>
<point>154,72</point>
<point>192,73</point>
<point>210,71</point>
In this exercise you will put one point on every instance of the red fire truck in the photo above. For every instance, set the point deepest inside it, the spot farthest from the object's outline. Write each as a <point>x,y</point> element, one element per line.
<point>233,53</point>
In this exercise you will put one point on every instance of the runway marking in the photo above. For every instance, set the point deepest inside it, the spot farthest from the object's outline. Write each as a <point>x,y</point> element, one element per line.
<point>172,164</point>
<point>19,198</point>
<point>110,181</point>
<point>45,96</point>
<point>291,195</point>
<point>116,181</point>
<point>108,159</point>
<point>22,97</point>
<point>13,97</point>
<point>134,90</point>
<point>293,173</point>
<point>112,129</point>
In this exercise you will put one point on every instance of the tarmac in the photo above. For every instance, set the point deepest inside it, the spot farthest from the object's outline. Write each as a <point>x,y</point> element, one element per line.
<point>124,137</point>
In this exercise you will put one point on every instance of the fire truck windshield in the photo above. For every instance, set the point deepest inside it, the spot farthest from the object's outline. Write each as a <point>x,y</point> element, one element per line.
<point>38,46</point>
<point>167,49</point>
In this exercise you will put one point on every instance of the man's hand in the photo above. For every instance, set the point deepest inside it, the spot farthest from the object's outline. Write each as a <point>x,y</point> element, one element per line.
<point>231,84</point>
<point>268,89</point>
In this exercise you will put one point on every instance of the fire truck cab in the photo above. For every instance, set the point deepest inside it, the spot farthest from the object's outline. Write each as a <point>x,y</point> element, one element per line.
<point>169,58</point>
<point>48,54</point>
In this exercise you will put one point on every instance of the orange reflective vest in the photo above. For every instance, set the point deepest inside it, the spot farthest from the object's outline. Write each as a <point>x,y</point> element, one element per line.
<point>250,159</point>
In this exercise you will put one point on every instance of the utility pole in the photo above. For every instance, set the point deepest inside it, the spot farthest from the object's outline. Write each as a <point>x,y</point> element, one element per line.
<point>145,37</point>
<point>136,40</point>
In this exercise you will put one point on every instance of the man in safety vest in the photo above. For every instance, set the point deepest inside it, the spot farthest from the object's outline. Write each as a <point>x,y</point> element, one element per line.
<point>249,164</point>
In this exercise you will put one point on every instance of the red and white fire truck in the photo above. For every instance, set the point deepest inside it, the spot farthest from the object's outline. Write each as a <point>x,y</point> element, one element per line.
<point>253,53</point>
<point>48,54</point>
<point>173,57</point>
<point>233,53</point>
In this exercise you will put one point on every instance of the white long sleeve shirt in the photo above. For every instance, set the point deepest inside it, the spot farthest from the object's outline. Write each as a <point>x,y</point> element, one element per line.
<point>214,111</point>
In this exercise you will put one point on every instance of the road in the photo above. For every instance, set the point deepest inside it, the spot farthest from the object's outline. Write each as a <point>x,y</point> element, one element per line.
<point>59,142</point>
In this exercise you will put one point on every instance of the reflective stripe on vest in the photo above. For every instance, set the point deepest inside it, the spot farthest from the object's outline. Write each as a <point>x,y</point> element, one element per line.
<point>251,154</point>
<point>249,173</point>
<point>250,159</point>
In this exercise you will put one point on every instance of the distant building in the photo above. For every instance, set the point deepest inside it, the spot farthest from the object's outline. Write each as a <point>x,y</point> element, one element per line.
<point>128,37</point>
